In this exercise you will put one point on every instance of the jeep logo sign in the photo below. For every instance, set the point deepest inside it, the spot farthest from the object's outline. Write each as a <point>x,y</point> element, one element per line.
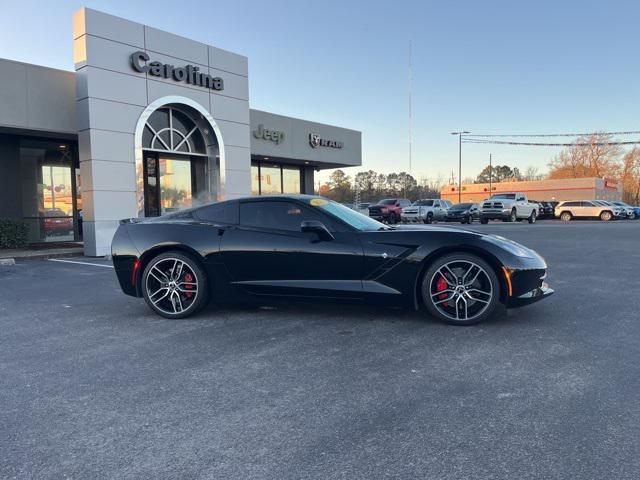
<point>265,134</point>
<point>189,73</point>
<point>316,141</point>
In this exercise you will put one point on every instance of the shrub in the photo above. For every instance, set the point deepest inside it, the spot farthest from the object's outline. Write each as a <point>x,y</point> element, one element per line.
<point>13,233</point>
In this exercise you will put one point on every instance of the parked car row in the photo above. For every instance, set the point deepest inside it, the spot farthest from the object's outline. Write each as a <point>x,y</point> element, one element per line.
<point>602,209</point>
<point>508,207</point>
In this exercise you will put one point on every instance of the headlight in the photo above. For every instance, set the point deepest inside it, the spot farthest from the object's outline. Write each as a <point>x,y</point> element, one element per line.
<point>510,246</point>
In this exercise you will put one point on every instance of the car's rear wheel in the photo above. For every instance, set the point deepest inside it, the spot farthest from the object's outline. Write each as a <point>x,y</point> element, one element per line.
<point>606,216</point>
<point>174,285</point>
<point>532,217</point>
<point>460,289</point>
<point>484,220</point>
<point>566,216</point>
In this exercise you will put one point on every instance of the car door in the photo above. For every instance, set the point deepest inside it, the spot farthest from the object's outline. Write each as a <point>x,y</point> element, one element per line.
<point>590,209</point>
<point>437,210</point>
<point>267,253</point>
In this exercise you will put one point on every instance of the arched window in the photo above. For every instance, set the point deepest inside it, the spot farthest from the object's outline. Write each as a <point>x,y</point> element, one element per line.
<point>170,130</point>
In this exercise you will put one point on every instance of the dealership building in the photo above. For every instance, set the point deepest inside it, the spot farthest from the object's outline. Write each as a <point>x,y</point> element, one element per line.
<point>148,123</point>
<point>557,190</point>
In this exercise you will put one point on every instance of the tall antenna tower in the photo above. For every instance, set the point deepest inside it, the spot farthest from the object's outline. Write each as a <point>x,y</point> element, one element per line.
<point>410,113</point>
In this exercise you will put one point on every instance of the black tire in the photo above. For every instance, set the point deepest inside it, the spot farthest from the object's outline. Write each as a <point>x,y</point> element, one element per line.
<point>153,278</point>
<point>484,220</point>
<point>606,216</point>
<point>470,220</point>
<point>429,218</point>
<point>513,217</point>
<point>438,309</point>
<point>566,216</point>
<point>532,217</point>
<point>392,218</point>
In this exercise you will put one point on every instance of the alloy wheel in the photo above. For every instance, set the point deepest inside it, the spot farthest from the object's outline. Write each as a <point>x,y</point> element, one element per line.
<point>461,290</point>
<point>172,286</point>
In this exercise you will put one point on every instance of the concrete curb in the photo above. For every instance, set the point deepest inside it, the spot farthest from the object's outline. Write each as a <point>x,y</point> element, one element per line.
<point>35,255</point>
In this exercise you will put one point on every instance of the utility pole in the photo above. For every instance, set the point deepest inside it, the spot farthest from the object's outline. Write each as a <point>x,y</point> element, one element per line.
<point>460,134</point>
<point>410,113</point>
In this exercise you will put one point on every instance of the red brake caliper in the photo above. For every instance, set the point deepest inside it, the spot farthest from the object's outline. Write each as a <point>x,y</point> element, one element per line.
<point>188,278</point>
<point>442,285</point>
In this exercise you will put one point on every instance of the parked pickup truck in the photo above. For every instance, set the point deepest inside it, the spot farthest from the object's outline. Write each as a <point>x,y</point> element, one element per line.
<point>388,210</point>
<point>508,207</point>
<point>426,210</point>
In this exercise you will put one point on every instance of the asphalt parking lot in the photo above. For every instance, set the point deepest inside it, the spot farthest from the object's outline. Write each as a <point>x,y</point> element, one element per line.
<point>95,386</point>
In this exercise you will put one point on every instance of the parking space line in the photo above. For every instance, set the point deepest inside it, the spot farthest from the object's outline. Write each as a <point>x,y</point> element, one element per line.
<point>80,263</point>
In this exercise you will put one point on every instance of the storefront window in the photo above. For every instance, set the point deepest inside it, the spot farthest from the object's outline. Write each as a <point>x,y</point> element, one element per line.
<point>273,179</point>
<point>255,180</point>
<point>290,180</point>
<point>270,179</point>
<point>175,185</point>
<point>48,190</point>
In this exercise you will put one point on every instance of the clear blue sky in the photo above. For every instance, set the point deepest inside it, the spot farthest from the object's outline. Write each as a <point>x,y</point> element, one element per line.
<point>489,67</point>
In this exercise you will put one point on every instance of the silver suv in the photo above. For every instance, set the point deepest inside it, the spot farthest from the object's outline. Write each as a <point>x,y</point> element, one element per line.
<point>567,211</point>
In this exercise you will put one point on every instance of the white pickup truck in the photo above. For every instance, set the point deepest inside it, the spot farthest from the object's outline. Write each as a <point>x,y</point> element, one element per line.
<point>508,207</point>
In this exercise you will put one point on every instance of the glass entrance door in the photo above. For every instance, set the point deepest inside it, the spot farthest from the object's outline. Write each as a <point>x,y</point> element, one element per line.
<point>169,184</point>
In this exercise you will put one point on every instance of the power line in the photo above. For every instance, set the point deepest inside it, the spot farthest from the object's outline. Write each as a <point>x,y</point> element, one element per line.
<point>538,144</point>
<point>632,132</point>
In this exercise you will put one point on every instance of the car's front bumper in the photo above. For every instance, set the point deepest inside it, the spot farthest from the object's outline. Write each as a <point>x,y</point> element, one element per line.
<point>456,217</point>
<point>535,295</point>
<point>412,217</point>
<point>495,214</point>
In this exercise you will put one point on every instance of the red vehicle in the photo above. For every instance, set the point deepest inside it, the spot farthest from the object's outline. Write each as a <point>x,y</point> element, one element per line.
<point>56,222</point>
<point>388,210</point>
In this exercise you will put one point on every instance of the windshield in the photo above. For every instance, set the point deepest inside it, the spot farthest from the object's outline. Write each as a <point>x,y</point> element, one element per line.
<point>505,196</point>
<point>423,203</point>
<point>353,218</point>
<point>621,204</point>
<point>388,201</point>
<point>462,206</point>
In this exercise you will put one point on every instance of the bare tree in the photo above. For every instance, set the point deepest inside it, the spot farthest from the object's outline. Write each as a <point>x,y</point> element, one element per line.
<point>592,156</point>
<point>631,177</point>
<point>532,173</point>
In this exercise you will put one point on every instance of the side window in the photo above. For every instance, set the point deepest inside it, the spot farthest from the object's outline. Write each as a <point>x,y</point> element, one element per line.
<point>224,212</point>
<point>276,215</point>
<point>436,203</point>
<point>586,204</point>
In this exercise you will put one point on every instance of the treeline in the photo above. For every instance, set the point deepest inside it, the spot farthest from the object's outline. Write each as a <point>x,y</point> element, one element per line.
<point>371,186</point>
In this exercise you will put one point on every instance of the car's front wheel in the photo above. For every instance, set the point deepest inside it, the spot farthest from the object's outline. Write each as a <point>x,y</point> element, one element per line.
<point>174,285</point>
<point>532,217</point>
<point>460,289</point>
<point>429,218</point>
<point>566,216</point>
<point>606,216</point>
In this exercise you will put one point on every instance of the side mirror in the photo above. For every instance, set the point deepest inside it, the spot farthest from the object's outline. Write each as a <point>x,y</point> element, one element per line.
<point>314,226</point>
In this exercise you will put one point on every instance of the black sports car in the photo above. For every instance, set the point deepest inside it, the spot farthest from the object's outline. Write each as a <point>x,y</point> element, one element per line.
<point>310,247</point>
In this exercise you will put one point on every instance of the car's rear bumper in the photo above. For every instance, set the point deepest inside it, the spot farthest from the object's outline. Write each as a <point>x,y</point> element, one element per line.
<point>535,295</point>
